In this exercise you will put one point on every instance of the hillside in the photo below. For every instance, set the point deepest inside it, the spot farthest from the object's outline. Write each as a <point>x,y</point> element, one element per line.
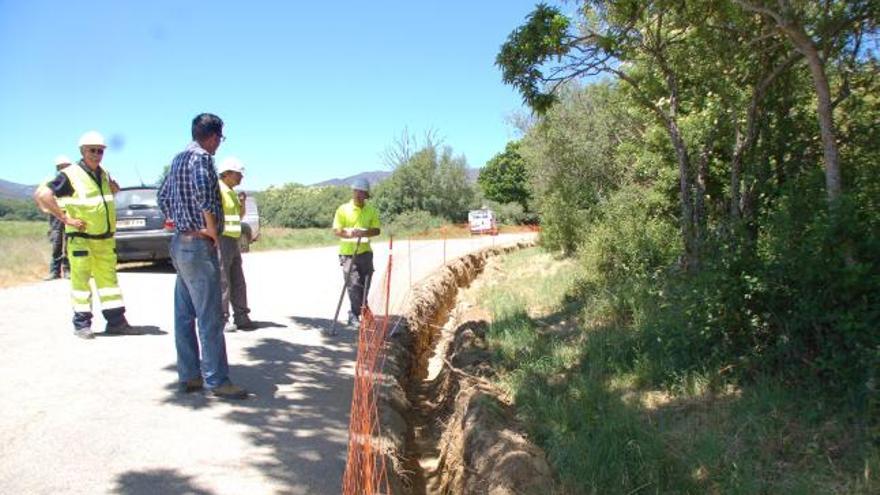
<point>377,176</point>
<point>12,190</point>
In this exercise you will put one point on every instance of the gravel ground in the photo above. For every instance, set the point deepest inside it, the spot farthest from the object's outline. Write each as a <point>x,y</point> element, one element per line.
<point>104,416</point>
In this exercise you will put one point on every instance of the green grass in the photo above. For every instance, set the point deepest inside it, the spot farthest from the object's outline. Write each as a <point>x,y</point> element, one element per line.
<point>578,391</point>
<point>26,251</point>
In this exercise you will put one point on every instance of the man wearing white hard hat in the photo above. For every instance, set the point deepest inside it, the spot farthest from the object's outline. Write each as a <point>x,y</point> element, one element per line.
<point>89,217</point>
<point>232,284</point>
<point>355,222</point>
<point>58,265</point>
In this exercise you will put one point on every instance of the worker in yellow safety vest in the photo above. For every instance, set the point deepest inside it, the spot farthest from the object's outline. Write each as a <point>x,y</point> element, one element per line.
<point>355,222</point>
<point>89,216</point>
<point>232,283</point>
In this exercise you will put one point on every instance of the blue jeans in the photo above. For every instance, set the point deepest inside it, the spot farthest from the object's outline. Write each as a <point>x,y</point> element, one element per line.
<point>197,298</point>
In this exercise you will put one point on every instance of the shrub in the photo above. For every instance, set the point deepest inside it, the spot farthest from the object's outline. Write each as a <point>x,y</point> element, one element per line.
<point>411,222</point>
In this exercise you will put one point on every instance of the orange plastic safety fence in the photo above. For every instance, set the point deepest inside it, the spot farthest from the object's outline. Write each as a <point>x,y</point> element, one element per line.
<point>365,468</point>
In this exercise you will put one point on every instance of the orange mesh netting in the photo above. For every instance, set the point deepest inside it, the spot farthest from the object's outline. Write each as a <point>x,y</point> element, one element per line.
<point>365,468</point>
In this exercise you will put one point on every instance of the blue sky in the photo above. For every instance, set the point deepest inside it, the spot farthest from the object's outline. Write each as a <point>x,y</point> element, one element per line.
<point>308,90</point>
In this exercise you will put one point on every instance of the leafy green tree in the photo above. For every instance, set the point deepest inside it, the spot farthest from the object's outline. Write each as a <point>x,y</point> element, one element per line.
<point>504,178</point>
<point>298,206</point>
<point>432,180</point>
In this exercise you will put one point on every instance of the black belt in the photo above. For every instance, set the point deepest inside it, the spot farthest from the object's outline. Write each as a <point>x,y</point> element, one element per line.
<point>105,235</point>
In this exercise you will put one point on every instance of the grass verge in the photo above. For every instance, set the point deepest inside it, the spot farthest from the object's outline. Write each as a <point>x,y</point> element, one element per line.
<point>275,238</point>
<point>577,389</point>
<point>26,252</point>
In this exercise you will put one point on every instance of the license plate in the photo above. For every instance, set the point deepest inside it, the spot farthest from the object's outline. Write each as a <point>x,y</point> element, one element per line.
<point>131,223</point>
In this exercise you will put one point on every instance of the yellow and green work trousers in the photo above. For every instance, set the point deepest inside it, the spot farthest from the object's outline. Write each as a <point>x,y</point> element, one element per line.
<point>94,259</point>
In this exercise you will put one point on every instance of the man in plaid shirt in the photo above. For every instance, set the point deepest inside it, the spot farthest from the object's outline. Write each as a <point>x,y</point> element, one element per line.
<point>190,196</point>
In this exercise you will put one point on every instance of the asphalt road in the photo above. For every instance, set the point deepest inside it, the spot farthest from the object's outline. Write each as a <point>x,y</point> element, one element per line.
<point>104,416</point>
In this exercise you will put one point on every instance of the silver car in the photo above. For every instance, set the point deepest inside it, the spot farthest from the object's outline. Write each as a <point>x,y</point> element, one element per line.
<point>144,234</point>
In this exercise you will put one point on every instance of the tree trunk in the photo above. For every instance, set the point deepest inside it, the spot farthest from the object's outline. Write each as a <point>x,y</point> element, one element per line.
<point>824,110</point>
<point>691,256</point>
<point>700,216</point>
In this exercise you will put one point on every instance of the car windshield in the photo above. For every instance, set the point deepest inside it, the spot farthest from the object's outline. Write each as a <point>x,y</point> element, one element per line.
<point>144,198</point>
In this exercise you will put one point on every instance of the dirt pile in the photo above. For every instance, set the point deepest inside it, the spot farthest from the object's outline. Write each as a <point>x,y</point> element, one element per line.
<point>455,432</point>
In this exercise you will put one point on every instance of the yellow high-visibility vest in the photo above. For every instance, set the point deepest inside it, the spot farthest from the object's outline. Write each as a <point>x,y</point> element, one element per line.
<point>231,211</point>
<point>90,202</point>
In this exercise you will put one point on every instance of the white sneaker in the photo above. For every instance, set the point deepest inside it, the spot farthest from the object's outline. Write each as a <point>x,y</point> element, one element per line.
<point>230,327</point>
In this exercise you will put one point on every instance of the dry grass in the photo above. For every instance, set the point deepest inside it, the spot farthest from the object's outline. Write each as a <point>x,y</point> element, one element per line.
<point>25,251</point>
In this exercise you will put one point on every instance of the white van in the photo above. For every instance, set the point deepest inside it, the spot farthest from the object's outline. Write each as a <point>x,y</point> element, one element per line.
<point>482,222</point>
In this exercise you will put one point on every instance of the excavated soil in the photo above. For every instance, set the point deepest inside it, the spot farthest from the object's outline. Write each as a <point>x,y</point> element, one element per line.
<point>446,428</point>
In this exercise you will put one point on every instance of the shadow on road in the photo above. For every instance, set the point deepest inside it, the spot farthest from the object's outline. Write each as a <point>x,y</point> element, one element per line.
<point>307,323</point>
<point>152,481</point>
<point>136,330</point>
<point>299,409</point>
<point>257,324</point>
<point>146,267</point>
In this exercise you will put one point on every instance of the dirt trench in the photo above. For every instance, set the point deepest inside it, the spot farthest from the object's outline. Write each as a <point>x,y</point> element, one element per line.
<point>446,428</point>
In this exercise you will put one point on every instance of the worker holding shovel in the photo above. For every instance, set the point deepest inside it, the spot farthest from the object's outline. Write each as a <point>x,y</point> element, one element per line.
<point>355,223</point>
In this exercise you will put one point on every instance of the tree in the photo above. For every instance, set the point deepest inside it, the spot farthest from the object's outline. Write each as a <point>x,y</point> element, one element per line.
<point>431,180</point>
<point>833,26</point>
<point>504,178</point>
<point>649,46</point>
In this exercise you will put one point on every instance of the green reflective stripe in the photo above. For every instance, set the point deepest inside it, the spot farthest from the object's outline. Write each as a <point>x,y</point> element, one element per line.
<point>364,240</point>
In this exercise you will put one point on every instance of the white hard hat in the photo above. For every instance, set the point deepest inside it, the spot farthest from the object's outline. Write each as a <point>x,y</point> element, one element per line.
<point>92,138</point>
<point>361,185</point>
<point>231,164</point>
<point>62,160</point>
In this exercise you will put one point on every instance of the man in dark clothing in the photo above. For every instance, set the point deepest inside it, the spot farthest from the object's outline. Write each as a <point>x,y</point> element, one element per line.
<point>58,265</point>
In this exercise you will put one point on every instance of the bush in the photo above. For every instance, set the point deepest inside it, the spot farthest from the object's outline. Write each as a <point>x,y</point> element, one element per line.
<point>511,213</point>
<point>411,222</point>
<point>20,209</point>
<point>791,307</point>
<point>297,206</point>
<point>626,248</point>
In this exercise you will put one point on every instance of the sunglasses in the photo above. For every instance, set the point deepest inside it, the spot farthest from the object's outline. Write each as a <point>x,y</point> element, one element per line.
<point>97,151</point>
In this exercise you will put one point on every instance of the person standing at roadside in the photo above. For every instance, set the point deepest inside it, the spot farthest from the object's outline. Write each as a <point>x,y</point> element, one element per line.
<point>58,264</point>
<point>355,223</point>
<point>89,217</point>
<point>232,282</point>
<point>190,196</point>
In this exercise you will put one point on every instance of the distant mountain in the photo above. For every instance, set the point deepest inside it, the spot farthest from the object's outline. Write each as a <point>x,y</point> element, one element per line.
<point>12,190</point>
<point>378,176</point>
<point>373,177</point>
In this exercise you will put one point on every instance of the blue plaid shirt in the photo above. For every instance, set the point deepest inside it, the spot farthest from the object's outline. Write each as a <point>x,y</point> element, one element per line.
<point>190,188</point>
